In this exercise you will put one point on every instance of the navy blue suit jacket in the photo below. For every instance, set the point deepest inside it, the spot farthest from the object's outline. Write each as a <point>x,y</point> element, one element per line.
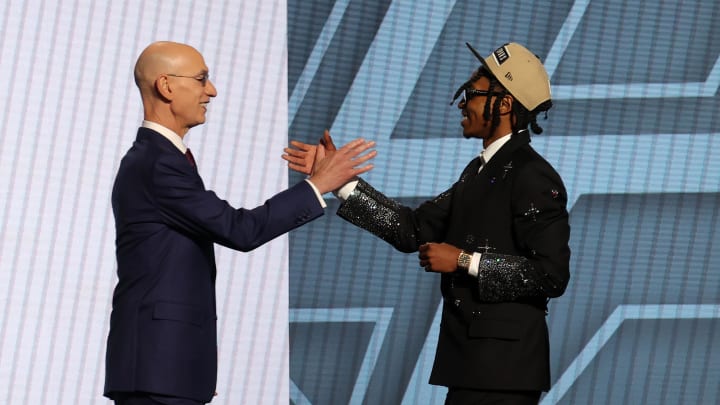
<point>162,335</point>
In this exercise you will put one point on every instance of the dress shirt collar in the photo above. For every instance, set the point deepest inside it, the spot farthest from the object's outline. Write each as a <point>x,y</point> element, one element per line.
<point>167,133</point>
<point>492,149</point>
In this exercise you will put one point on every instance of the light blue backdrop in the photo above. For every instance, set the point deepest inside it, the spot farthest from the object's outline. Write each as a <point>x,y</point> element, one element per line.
<point>634,134</point>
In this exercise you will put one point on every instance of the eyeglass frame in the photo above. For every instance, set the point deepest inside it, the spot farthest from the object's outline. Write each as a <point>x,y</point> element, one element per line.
<point>203,78</point>
<point>468,93</point>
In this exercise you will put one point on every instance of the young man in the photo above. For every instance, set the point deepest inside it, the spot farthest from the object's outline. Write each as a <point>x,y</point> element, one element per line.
<point>498,236</point>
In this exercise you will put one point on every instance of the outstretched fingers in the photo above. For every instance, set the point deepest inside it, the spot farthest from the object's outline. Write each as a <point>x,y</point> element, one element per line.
<point>355,149</point>
<point>360,160</point>
<point>300,156</point>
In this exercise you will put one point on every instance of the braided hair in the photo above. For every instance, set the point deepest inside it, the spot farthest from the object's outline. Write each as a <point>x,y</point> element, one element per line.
<point>522,118</point>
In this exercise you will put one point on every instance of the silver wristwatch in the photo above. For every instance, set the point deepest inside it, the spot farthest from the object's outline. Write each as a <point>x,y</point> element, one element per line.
<point>463,260</point>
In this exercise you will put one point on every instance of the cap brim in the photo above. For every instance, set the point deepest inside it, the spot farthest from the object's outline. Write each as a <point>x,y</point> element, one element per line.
<point>479,57</point>
<point>475,52</point>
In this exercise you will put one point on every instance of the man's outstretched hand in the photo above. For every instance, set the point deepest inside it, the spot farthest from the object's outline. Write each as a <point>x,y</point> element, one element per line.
<point>330,168</point>
<point>302,156</point>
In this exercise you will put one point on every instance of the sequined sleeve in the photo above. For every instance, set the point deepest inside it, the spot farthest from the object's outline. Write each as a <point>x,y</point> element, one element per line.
<point>507,278</point>
<point>369,209</point>
<point>541,231</point>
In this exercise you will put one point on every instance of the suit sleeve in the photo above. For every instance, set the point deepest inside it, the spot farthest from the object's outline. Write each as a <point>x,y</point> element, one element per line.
<point>185,204</point>
<point>402,227</point>
<point>541,231</point>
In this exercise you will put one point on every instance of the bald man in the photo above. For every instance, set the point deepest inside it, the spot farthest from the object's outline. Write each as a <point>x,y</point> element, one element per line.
<point>162,347</point>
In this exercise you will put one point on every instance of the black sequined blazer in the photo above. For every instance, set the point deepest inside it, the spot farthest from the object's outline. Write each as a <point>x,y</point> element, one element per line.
<point>493,333</point>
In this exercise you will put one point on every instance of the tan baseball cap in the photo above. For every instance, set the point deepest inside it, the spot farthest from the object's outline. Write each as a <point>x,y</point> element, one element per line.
<point>520,71</point>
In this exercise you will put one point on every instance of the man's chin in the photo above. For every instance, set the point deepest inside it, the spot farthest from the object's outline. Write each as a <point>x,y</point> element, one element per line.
<point>467,132</point>
<point>199,122</point>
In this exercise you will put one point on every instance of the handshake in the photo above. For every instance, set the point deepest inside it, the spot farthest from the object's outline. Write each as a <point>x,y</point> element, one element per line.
<point>330,168</point>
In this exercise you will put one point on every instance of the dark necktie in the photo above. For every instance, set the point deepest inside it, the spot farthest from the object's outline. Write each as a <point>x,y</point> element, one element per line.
<point>474,166</point>
<point>190,158</point>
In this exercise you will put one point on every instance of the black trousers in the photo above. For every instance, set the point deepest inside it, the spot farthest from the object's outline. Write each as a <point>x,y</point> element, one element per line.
<point>462,396</point>
<point>141,398</point>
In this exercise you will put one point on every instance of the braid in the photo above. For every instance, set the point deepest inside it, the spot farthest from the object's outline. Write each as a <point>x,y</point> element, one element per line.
<point>493,117</point>
<point>496,111</point>
<point>525,118</point>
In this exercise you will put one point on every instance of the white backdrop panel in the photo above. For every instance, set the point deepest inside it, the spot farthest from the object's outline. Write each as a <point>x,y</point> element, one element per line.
<point>71,112</point>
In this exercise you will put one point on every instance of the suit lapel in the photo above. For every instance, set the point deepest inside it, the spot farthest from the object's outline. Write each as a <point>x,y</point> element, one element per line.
<point>165,146</point>
<point>501,163</point>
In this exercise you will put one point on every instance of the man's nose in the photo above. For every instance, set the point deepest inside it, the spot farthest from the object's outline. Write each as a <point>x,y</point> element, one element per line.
<point>211,90</point>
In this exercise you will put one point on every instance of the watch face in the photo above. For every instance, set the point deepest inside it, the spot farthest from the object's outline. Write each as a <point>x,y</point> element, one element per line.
<point>464,260</point>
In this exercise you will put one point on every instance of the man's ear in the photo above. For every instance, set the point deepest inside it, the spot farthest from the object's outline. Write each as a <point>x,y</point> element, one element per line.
<point>506,104</point>
<point>162,86</point>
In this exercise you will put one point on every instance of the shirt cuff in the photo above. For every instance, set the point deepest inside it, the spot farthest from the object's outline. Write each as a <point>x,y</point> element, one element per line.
<point>317,194</point>
<point>474,264</point>
<point>343,193</point>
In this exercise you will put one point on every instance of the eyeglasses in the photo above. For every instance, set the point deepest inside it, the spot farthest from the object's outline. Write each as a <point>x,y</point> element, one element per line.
<point>202,78</point>
<point>468,93</point>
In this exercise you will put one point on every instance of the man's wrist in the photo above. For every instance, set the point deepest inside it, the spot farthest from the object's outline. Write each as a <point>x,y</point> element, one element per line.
<point>317,193</point>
